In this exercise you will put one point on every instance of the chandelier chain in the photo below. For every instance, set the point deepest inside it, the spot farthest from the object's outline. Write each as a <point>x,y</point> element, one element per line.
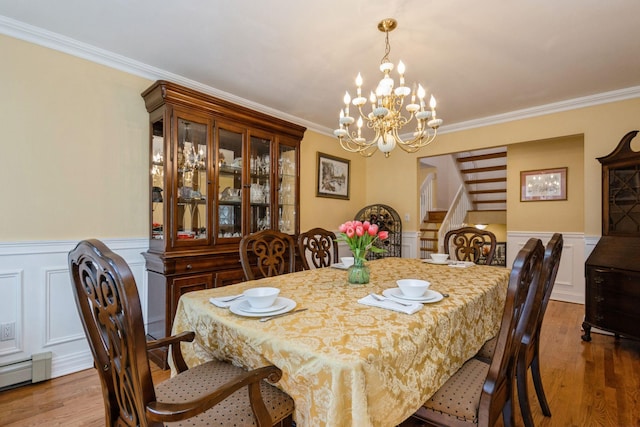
<point>387,48</point>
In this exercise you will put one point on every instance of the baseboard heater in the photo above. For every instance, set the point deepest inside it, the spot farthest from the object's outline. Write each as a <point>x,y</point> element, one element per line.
<point>27,371</point>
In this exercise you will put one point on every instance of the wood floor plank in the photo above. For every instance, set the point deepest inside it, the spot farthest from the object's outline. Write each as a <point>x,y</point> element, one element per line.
<point>587,384</point>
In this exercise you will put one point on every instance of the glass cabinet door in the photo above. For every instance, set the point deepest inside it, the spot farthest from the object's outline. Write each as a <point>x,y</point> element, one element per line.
<point>157,179</point>
<point>229,162</point>
<point>624,200</point>
<point>191,219</point>
<point>259,184</point>
<point>287,174</point>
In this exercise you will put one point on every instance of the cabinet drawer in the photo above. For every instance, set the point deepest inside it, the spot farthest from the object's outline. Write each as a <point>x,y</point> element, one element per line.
<point>228,277</point>
<point>193,265</point>
<point>603,281</point>
<point>603,299</point>
<point>625,323</point>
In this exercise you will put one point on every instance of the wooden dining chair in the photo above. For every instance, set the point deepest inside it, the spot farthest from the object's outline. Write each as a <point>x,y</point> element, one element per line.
<point>479,393</point>
<point>319,247</point>
<point>530,352</point>
<point>212,394</point>
<point>469,244</point>
<point>273,251</point>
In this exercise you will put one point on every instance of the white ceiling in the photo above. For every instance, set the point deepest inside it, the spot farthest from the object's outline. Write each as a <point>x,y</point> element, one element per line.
<point>296,58</point>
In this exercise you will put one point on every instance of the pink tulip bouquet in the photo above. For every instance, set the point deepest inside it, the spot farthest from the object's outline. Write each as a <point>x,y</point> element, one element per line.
<point>360,236</point>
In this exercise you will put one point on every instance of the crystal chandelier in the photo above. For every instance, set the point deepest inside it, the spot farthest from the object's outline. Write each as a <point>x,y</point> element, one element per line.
<point>386,118</point>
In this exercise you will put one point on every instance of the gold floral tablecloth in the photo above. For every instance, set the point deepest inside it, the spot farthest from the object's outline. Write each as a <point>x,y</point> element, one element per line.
<point>348,364</point>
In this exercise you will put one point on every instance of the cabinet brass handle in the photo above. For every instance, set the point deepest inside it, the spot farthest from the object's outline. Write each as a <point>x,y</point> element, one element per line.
<point>598,298</point>
<point>189,267</point>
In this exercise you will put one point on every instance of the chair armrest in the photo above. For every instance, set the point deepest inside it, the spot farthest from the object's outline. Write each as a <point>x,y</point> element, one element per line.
<point>174,343</point>
<point>170,412</point>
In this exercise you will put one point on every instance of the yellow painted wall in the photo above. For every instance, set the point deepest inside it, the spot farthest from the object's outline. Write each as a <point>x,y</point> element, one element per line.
<point>565,215</point>
<point>74,149</point>
<point>394,178</point>
<point>74,153</point>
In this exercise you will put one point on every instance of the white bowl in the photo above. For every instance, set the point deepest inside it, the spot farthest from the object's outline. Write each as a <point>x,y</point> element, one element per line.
<point>261,297</point>
<point>413,288</point>
<point>441,258</point>
<point>347,261</point>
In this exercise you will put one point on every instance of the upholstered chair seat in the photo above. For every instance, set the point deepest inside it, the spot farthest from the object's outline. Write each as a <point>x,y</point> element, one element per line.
<point>457,402</point>
<point>200,380</point>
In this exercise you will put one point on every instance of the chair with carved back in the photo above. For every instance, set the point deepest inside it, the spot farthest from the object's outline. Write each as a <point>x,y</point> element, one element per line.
<point>273,251</point>
<point>479,393</point>
<point>317,247</point>
<point>214,394</point>
<point>530,351</point>
<point>470,244</point>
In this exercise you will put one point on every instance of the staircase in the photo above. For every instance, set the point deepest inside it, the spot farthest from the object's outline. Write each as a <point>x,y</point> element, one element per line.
<point>484,174</point>
<point>485,178</point>
<point>429,232</point>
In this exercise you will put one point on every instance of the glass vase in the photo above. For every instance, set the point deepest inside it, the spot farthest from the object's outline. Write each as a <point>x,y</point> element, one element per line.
<point>358,273</point>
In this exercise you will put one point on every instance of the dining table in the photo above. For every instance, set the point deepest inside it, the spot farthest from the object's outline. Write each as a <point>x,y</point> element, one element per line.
<point>348,360</point>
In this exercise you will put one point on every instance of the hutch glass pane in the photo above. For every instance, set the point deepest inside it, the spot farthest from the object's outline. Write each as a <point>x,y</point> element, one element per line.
<point>287,193</point>
<point>157,180</point>
<point>229,183</point>
<point>260,180</point>
<point>624,200</point>
<point>191,218</point>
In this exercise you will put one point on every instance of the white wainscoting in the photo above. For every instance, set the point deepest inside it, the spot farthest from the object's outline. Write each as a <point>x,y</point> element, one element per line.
<point>36,295</point>
<point>569,286</point>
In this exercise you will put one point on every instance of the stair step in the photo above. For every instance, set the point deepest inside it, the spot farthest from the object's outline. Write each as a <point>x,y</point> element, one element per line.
<point>481,157</point>
<point>484,169</point>
<point>485,180</point>
<point>493,190</point>
<point>436,216</point>
<point>490,201</point>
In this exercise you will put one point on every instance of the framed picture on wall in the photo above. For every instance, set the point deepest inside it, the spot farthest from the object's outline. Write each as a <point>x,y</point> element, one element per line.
<point>545,184</point>
<point>332,177</point>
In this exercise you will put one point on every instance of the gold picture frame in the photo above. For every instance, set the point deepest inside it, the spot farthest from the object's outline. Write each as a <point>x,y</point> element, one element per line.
<point>543,185</point>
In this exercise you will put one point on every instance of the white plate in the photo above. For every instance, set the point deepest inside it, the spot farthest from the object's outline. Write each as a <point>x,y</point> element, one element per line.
<point>245,306</point>
<point>340,265</point>
<point>241,308</point>
<point>430,261</point>
<point>428,297</point>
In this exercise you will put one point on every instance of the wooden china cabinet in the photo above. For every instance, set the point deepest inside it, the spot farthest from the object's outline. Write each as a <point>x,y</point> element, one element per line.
<point>613,267</point>
<point>219,171</point>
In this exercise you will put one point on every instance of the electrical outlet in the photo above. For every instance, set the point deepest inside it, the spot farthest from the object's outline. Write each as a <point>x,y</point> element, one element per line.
<point>7,331</point>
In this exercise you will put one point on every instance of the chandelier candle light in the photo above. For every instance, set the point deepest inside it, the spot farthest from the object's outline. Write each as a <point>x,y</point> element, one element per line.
<point>386,118</point>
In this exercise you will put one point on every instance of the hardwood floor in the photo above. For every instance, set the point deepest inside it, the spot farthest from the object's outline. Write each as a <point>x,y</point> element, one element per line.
<point>587,384</point>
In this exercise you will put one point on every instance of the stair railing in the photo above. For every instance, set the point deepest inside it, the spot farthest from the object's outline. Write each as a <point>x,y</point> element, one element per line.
<point>426,195</point>
<point>455,215</point>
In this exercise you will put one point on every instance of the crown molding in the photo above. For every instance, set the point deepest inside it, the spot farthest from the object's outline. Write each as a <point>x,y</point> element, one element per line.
<point>51,40</point>
<point>541,110</point>
<point>82,50</point>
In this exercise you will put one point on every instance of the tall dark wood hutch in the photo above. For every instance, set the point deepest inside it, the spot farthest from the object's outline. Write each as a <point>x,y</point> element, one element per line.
<point>218,171</point>
<point>613,268</point>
